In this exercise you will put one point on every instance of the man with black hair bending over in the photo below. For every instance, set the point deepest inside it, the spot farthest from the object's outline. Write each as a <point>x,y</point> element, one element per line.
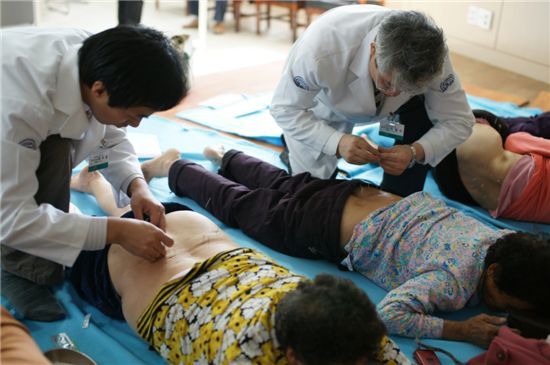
<point>68,96</point>
<point>210,301</point>
<point>429,257</point>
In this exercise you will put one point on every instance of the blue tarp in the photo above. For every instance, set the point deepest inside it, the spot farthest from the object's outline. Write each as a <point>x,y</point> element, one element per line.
<point>111,341</point>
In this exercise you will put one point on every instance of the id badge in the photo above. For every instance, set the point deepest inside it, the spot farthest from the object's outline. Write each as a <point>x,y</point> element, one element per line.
<point>98,160</point>
<point>390,127</point>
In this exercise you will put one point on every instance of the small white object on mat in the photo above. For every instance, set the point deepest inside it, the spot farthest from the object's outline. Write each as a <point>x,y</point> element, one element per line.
<point>86,321</point>
<point>146,145</point>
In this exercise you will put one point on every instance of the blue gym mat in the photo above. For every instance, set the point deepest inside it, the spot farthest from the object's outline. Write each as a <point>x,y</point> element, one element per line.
<point>111,341</point>
<point>248,115</point>
<point>241,114</point>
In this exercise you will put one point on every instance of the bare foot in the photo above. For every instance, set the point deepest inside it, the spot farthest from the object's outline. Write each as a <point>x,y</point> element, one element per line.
<point>84,179</point>
<point>159,166</point>
<point>214,153</point>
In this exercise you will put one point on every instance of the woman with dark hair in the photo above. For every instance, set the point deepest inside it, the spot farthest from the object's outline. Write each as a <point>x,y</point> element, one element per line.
<point>516,275</point>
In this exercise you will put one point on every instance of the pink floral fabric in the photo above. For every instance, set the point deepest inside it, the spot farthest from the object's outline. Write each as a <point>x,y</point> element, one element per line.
<point>427,255</point>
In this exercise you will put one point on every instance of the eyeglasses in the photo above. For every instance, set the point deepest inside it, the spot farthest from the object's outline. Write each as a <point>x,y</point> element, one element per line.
<point>384,83</point>
<point>387,84</point>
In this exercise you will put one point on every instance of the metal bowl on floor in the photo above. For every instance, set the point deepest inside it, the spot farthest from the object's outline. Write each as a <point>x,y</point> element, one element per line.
<point>68,357</point>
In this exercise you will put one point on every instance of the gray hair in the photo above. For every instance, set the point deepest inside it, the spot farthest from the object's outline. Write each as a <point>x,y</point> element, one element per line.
<point>412,46</point>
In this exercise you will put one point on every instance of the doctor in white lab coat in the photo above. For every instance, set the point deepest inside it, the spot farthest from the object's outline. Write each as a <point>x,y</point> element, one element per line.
<point>362,64</point>
<point>64,101</point>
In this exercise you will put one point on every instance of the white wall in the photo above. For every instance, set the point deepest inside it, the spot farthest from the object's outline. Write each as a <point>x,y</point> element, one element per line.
<point>518,38</point>
<point>16,12</point>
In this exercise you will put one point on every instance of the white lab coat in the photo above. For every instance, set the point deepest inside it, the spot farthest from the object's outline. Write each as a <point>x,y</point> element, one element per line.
<point>41,97</point>
<point>326,89</point>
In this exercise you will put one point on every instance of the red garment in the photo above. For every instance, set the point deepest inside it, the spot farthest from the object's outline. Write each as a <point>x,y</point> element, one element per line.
<point>509,348</point>
<point>534,202</point>
<point>523,143</point>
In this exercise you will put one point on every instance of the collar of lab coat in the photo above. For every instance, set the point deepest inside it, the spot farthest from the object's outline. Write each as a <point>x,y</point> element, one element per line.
<point>362,87</point>
<point>68,99</point>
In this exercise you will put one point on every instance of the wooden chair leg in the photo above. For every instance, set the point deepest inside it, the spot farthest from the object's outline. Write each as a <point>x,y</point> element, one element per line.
<point>258,16</point>
<point>237,14</point>
<point>293,23</point>
<point>157,4</point>
<point>268,15</point>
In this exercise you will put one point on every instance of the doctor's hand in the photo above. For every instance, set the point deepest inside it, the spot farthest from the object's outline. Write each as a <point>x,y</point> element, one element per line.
<point>357,150</point>
<point>144,203</point>
<point>138,237</point>
<point>396,159</point>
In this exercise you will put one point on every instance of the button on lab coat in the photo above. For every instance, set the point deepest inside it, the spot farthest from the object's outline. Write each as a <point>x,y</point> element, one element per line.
<point>41,97</point>
<point>326,89</point>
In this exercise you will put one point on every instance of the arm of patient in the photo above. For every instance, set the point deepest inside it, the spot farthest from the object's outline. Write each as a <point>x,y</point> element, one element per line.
<point>406,310</point>
<point>479,329</point>
<point>18,347</point>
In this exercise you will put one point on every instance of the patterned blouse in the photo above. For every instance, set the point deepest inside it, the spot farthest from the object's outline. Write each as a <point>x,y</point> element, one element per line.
<point>428,255</point>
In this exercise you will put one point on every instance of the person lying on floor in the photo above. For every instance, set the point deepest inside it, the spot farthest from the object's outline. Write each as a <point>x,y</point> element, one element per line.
<point>503,167</point>
<point>18,347</point>
<point>211,301</point>
<point>537,125</point>
<point>429,257</point>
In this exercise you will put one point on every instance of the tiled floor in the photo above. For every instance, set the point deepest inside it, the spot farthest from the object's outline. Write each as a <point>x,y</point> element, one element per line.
<point>219,52</point>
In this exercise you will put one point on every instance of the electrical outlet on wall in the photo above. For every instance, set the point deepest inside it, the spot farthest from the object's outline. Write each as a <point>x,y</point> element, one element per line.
<point>479,17</point>
<point>471,17</point>
<point>484,18</point>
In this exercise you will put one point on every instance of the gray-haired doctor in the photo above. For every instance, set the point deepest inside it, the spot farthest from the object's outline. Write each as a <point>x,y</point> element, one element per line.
<point>362,64</point>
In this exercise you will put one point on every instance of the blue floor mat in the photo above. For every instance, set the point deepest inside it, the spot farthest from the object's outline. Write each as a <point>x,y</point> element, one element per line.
<point>240,114</point>
<point>111,341</point>
<point>248,115</point>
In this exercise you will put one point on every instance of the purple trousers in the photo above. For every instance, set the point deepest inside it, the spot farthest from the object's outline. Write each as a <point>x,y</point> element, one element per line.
<point>538,126</point>
<point>296,215</point>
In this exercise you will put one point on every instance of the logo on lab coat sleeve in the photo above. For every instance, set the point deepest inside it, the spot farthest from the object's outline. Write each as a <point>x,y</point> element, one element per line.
<point>445,84</point>
<point>301,83</point>
<point>29,143</point>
